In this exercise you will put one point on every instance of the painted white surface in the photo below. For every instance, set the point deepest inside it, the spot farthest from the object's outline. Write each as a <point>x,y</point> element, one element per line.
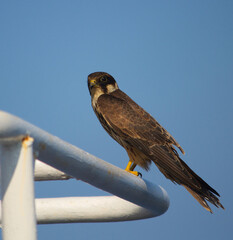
<point>79,164</point>
<point>44,172</point>
<point>17,190</point>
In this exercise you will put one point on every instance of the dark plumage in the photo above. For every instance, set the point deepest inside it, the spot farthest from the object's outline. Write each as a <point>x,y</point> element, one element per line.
<point>144,139</point>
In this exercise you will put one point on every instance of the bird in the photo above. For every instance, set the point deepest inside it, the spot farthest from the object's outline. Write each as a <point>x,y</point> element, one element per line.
<point>143,138</point>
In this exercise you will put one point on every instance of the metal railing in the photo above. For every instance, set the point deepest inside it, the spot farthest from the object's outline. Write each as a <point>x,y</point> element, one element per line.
<point>20,141</point>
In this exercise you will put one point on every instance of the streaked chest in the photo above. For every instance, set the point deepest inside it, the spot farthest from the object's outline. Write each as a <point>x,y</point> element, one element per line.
<point>109,129</point>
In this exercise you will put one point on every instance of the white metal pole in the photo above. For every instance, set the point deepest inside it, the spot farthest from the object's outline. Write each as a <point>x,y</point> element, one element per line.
<point>17,189</point>
<point>88,209</point>
<point>44,172</point>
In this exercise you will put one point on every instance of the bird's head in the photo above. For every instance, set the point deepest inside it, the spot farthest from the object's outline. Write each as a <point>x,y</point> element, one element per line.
<point>101,83</point>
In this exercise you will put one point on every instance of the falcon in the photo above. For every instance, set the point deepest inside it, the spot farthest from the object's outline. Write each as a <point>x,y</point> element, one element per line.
<point>143,138</point>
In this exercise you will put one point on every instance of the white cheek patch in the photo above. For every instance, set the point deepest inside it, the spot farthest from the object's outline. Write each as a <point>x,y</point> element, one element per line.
<point>96,92</point>
<point>112,88</point>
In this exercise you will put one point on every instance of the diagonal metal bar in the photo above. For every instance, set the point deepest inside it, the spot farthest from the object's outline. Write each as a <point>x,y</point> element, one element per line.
<point>44,172</point>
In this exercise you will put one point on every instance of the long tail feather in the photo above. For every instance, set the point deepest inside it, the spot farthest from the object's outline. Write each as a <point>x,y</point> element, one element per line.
<point>175,169</point>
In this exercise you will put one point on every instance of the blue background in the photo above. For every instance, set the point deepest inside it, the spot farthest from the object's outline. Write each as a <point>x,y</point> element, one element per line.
<point>174,58</point>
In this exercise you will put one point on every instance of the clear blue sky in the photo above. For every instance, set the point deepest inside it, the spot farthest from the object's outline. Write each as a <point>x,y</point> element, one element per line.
<point>175,58</point>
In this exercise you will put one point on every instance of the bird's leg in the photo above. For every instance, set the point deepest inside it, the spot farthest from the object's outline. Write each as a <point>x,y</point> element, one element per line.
<point>133,166</point>
<point>130,167</point>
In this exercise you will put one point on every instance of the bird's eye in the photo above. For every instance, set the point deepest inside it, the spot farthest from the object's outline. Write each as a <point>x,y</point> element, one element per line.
<point>103,79</point>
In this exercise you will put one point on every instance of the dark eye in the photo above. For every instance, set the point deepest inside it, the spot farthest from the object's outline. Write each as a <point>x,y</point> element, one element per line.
<point>104,79</point>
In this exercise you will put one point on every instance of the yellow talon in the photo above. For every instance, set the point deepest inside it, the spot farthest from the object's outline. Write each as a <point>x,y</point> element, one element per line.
<point>134,173</point>
<point>130,167</point>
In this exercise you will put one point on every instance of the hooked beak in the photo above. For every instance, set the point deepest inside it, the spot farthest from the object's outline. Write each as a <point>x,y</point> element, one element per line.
<point>92,83</point>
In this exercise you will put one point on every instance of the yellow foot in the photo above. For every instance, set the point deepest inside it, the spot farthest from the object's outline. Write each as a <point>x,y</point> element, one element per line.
<point>130,167</point>
<point>134,173</point>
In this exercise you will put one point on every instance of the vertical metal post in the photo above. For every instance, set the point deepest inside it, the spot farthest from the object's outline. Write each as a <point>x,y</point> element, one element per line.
<point>17,189</point>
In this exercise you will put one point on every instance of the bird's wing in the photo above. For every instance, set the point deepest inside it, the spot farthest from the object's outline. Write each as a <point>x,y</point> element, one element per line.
<point>141,131</point>
<point>123,114</point>
<point>131,123</point>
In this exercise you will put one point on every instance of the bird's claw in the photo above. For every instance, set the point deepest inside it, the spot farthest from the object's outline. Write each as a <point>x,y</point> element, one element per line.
<point>138,174</point>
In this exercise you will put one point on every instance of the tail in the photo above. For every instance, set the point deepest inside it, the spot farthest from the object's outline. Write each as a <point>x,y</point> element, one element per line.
<point>202,200</point>
<point>174,168</point>
<point>204,192</point>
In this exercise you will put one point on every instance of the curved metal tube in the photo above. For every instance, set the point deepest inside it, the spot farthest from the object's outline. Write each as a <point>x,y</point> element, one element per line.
<point>86,167</point>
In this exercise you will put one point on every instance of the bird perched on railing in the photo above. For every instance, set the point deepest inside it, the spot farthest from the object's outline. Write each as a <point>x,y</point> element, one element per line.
<point>143,138</point>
